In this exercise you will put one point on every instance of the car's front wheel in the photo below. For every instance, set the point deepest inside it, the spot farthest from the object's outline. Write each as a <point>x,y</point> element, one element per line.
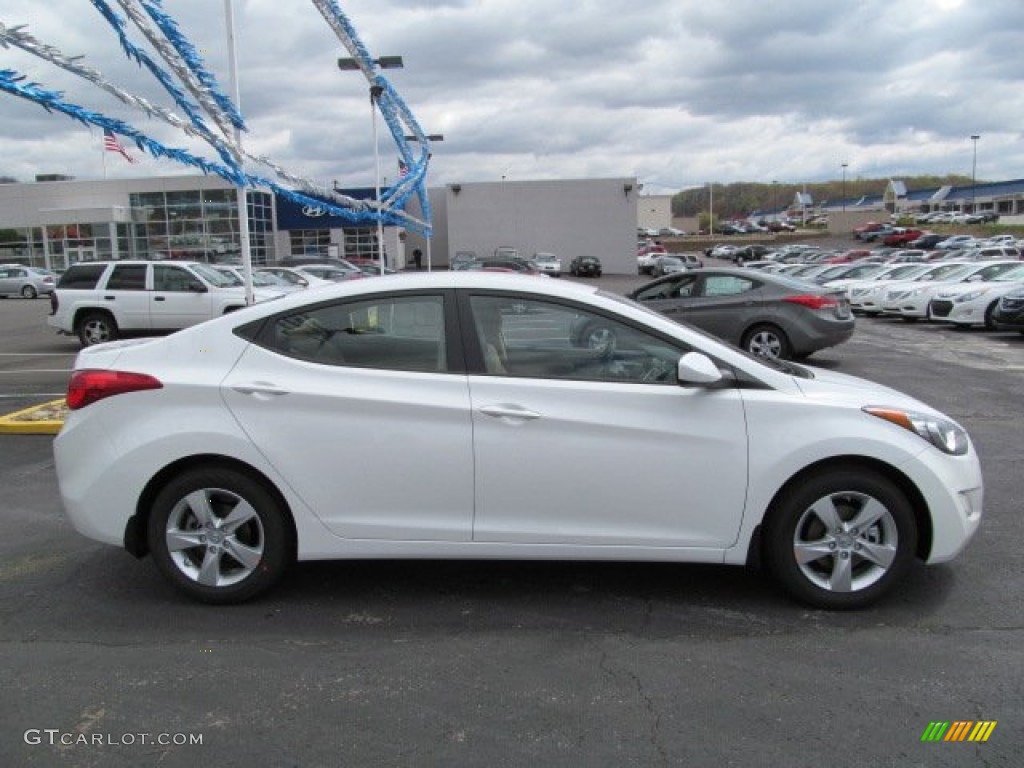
<point>96,328</point>
<point>29,292</point>
<point>219,535</point>
<point>841,538</point>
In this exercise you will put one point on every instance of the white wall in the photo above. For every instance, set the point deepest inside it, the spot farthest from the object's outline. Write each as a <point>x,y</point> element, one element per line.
<point>654,211</point>
<point>596,217</point>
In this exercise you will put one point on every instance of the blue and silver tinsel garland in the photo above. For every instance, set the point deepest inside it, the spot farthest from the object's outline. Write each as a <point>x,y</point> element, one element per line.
<point>187,67</point>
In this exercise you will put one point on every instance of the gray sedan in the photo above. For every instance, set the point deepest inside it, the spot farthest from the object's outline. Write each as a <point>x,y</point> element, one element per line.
<point>27,282</point>
<point>767,315</point>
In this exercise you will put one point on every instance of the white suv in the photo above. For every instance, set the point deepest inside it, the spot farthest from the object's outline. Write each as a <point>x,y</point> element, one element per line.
<point>100,301</point>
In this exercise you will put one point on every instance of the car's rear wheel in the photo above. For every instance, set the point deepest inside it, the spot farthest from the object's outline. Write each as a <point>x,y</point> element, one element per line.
<point>840,539</point>
<point>219,535</point>
<point>96,328</point>
<point>767,341</point>
<point>29,292</point>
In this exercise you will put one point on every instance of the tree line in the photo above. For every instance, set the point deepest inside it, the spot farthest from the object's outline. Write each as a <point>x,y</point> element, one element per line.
<point>743,198</point>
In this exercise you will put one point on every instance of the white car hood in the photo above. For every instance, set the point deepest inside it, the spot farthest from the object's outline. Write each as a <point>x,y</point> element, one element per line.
<point>843,388</point>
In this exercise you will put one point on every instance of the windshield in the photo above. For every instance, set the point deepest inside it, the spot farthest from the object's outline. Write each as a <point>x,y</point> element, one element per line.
<point>947,272</point>
<point>215,277</point>
<point>1015,274</point>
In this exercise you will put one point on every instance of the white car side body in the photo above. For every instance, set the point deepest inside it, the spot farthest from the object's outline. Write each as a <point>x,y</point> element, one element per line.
<point>108,453</point>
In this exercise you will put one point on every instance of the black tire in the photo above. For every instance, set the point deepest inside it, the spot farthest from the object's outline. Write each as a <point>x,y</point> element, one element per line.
<point>29,292</point>
<point>769,341</point>
<point>990,323</point>
<point>245,559</point>
<point>96,328</point>
<point>844,565</point>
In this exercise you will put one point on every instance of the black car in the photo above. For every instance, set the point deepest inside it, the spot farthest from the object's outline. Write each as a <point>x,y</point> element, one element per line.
<point>928,241</point>
<point>1009,312</point>
<point>750,253</point>
<point>585,266</point>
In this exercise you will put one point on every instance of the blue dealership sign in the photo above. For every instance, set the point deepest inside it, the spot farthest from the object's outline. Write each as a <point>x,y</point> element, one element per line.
<point>292,215</point>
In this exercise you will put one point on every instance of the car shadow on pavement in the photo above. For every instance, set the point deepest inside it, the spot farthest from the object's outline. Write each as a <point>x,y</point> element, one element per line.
<point>100,592</point>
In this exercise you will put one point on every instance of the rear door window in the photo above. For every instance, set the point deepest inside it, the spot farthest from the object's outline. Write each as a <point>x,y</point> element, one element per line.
<point>82,276</point>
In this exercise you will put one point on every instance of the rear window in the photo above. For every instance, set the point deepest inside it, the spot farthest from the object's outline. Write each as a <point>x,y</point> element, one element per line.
<point>82,276</point>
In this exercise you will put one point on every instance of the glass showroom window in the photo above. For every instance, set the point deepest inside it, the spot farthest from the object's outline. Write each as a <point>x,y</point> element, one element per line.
<point>310,242</point>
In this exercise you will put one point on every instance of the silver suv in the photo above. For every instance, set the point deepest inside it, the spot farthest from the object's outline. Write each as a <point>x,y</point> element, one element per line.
<point>100,301</point>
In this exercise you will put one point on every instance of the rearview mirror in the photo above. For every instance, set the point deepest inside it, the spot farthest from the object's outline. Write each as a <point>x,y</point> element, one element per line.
<point>697,368</point>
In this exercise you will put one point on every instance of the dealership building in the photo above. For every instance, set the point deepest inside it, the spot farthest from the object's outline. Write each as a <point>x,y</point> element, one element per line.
<point>57,221</point>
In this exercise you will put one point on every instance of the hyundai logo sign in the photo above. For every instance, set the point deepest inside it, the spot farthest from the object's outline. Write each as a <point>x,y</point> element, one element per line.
<point>313,211</point>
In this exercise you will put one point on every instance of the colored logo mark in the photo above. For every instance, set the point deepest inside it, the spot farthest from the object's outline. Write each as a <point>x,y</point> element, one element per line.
<point>959,730</point>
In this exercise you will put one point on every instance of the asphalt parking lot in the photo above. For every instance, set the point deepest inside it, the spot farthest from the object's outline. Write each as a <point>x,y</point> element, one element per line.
<point>469,663</point>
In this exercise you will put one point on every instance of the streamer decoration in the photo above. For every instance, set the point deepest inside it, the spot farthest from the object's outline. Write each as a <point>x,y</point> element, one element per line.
<point>208,114</point>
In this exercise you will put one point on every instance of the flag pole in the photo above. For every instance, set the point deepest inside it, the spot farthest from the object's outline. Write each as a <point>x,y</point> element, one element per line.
<point>240,193</point>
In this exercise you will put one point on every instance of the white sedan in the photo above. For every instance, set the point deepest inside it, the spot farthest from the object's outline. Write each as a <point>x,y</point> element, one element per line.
<point>972,304</point>
<point>910,300</point>
<point>380,419</point>
<point>866,298</point>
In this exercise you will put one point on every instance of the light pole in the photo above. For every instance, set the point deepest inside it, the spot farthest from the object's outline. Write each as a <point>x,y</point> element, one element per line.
<point>431,137</point>
<point>775,199</point>
<point>974,175</point>
<point>844,193</point>
<point>711,208</point>
<point>384,62</point>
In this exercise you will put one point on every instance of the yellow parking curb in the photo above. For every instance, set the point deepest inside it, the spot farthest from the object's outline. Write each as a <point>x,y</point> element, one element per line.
<point>45,419</point>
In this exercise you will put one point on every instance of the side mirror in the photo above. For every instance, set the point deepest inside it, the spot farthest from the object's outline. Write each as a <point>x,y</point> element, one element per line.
<point>697,368</point>
<point>195,286</point>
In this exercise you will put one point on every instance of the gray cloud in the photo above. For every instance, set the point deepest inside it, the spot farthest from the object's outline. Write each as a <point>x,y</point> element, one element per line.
<point>675,91</point>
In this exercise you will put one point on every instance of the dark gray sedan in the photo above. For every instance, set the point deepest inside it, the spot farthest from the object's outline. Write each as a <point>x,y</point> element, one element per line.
<point>767,315</point>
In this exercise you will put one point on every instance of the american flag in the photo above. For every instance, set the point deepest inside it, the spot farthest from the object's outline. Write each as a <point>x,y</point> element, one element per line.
<point>111,144</point>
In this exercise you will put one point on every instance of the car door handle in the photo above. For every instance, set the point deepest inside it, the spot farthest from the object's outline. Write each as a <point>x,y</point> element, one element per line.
<point>261,389</point>
<point>513,413</point>
<point>109,298</point>
<point>158,298</point>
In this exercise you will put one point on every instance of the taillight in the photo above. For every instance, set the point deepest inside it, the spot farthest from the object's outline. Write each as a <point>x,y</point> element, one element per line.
<point>87,386</point>
<point>813,302</point>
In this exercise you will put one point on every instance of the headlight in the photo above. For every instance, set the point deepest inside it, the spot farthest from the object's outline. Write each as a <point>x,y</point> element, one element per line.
<point>970,295</point>
<point>919,291</point>
<point>940,432</point>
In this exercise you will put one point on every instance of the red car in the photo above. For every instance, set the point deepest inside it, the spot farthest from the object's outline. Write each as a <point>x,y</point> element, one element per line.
<point>846,258</point>
<point>900,238</point>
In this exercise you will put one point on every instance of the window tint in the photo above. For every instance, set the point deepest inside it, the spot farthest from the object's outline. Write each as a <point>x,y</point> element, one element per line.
<point>127,277</point>
<point>726,285</point>
<point>669,289</point>
<point>82,276</point>
<point>540,339</point>
<point>402,334</point>
<point>169,278</point>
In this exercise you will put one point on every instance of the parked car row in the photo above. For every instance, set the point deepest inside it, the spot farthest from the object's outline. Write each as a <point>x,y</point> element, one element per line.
<point>963,293</point>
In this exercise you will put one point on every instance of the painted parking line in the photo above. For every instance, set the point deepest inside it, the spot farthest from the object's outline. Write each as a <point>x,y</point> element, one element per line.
<point>44,419</point>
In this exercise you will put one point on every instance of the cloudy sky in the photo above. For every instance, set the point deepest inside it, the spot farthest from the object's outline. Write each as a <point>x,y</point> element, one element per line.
<point>674,92</point>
